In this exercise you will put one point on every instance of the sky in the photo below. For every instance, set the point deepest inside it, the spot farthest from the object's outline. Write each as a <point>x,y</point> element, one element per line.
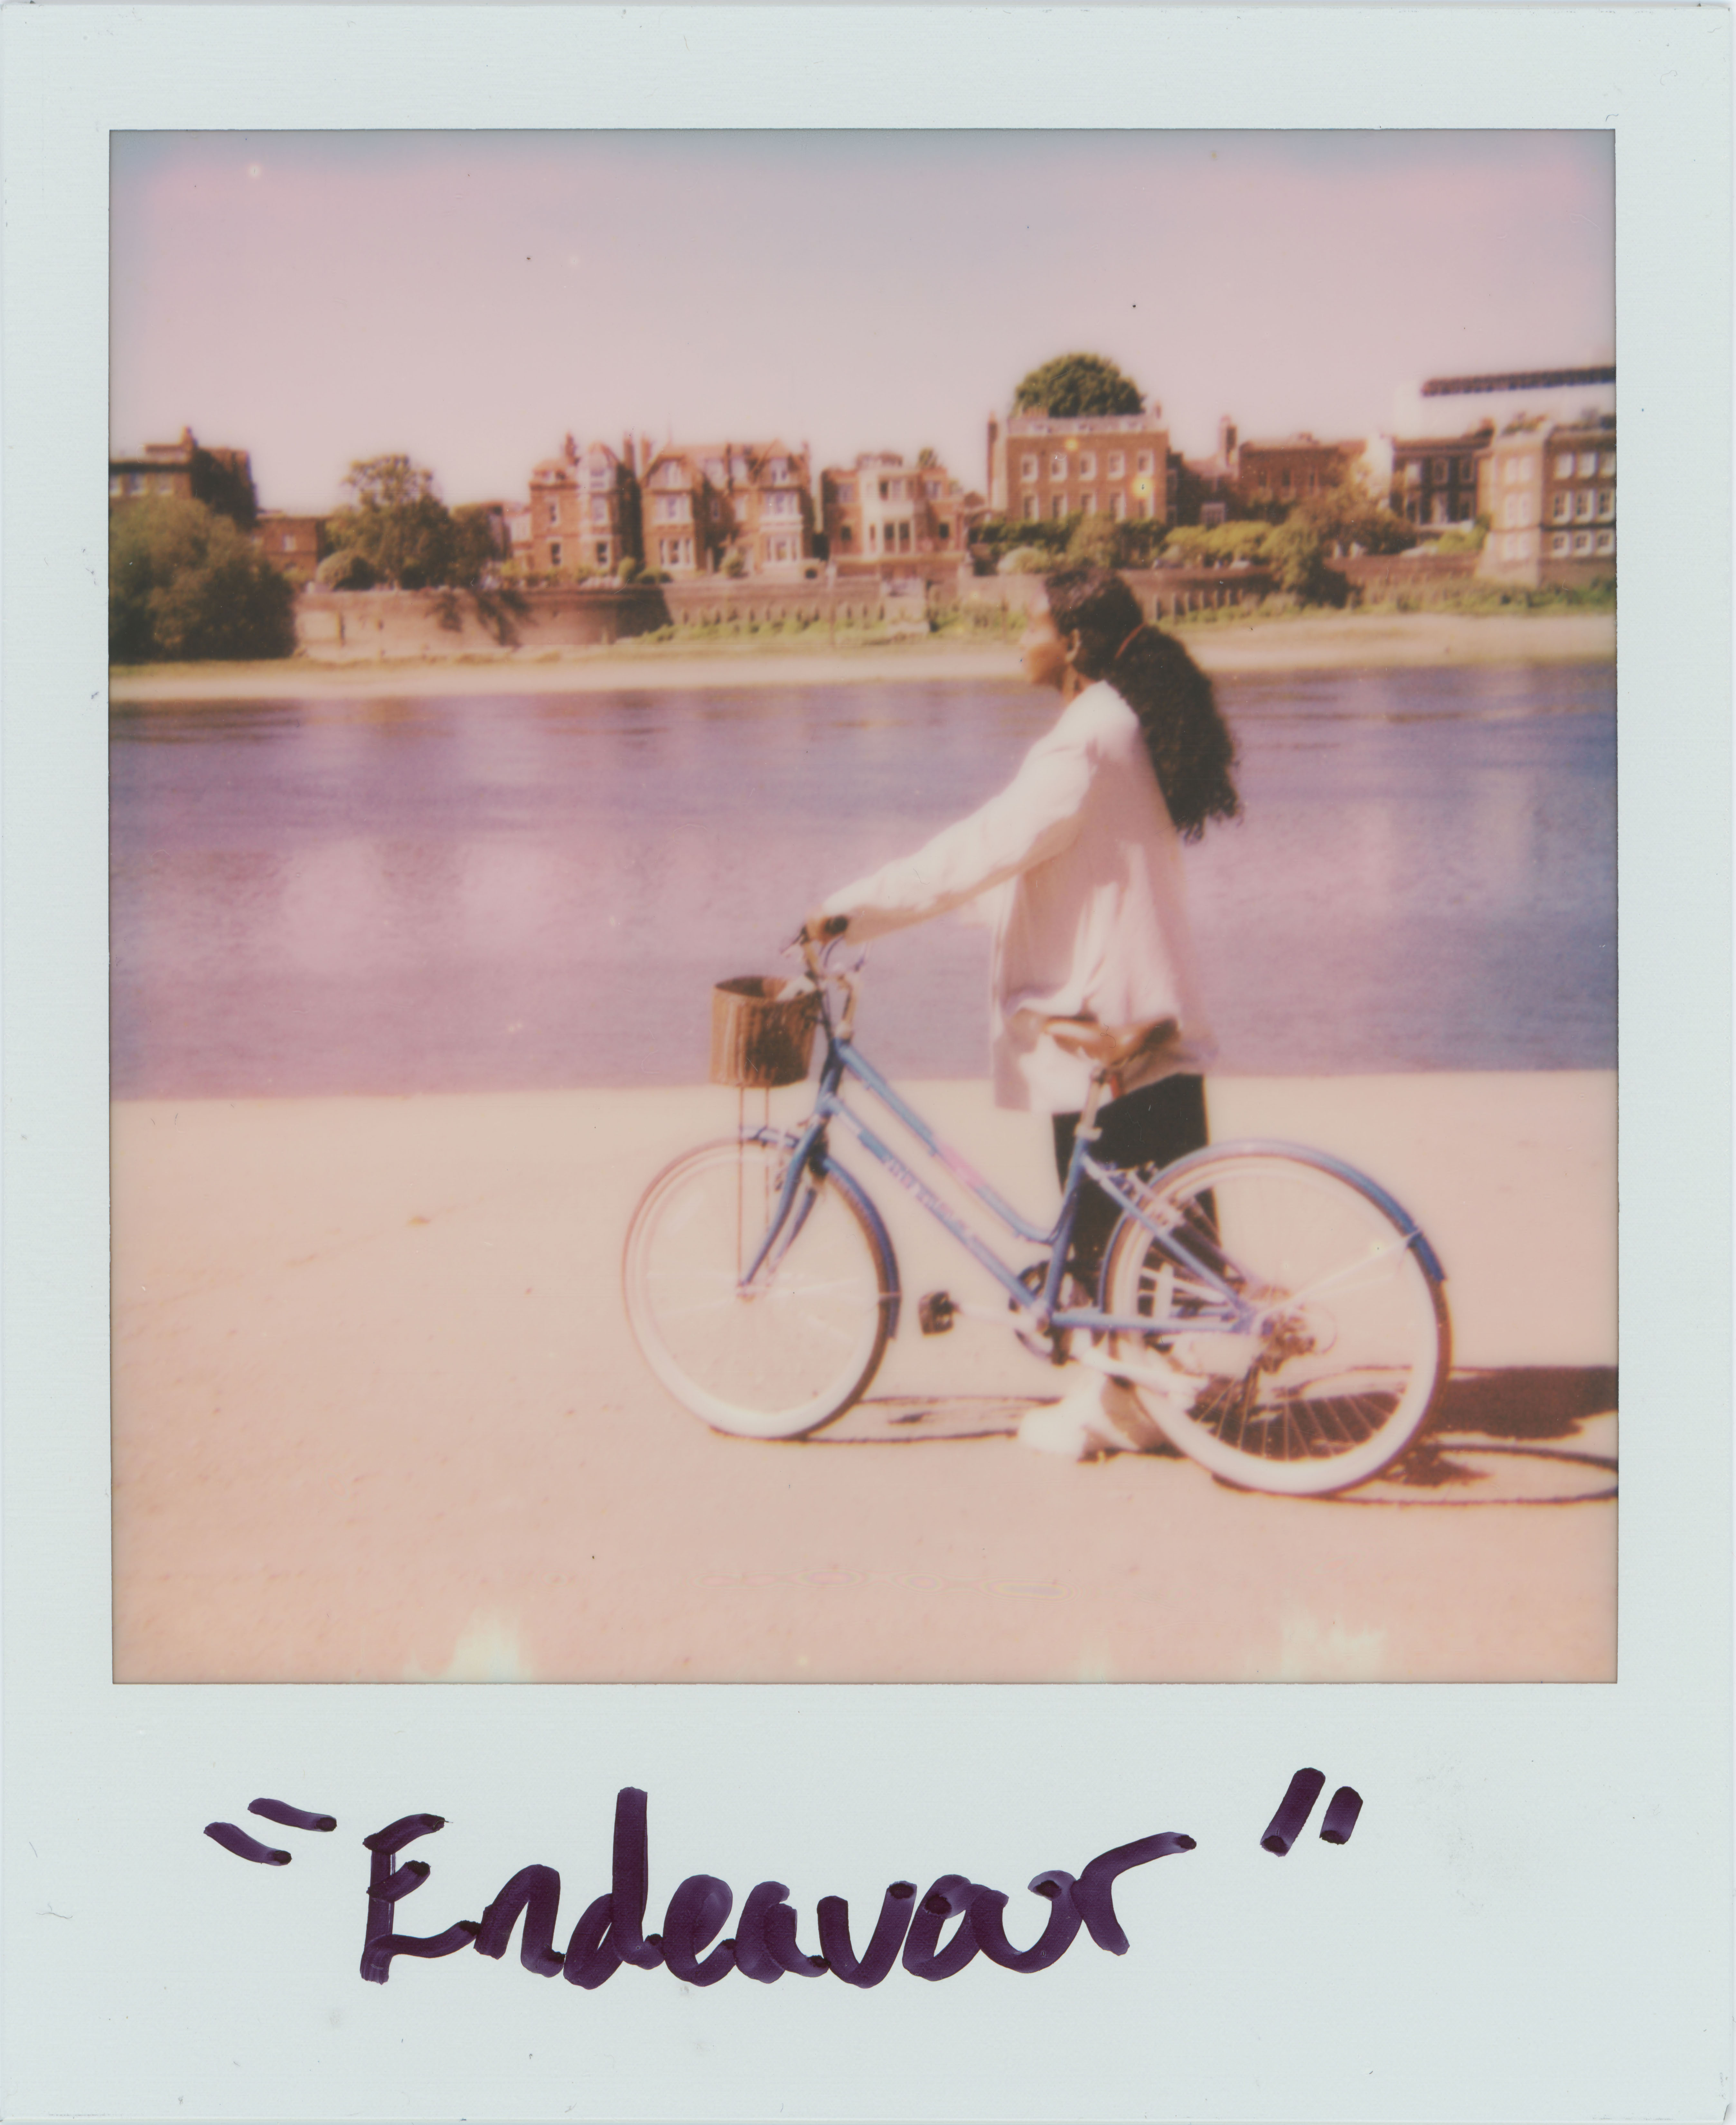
<point>470,298</point>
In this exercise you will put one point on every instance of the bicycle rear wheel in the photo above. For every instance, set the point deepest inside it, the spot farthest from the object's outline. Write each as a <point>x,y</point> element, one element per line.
<point>1322,1364</point>
<point>790,1351</point>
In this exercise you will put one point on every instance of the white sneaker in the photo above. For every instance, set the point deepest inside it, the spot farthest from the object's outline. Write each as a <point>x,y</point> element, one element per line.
<point>1098,1414</point>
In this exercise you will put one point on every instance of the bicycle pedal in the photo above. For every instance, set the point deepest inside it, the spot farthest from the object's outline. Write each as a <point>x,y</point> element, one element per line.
<point>936,1311</point>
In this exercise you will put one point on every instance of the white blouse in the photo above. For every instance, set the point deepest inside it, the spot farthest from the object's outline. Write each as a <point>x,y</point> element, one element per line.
<point>1088,905</point>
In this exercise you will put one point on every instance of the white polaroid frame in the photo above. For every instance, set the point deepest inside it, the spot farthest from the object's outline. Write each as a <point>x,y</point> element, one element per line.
<point>1533,1922</point>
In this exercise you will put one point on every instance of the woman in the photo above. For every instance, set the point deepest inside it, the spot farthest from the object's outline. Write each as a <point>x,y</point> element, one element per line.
<point>1081,856</point>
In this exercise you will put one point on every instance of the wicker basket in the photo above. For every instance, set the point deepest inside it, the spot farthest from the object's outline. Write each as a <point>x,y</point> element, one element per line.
<point>762,1030</point>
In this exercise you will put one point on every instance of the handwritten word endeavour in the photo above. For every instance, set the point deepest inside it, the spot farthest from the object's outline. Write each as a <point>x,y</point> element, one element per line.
<point>610,1931</point>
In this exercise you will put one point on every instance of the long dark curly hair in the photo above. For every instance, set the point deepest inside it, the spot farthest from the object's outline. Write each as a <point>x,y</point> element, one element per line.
<point>1192,752</point>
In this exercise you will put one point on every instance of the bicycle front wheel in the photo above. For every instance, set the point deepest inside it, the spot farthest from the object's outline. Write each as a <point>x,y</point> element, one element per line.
<point>1304,1349</point>
<point>786,1350</point>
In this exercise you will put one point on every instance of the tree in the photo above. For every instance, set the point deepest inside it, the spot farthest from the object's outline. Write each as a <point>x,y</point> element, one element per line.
<point>397,523</point>
<point>186,583</point>
<point>925,457</point>
<point>1298,557</point>
<point>1095,540</point>
<point>1346,516</point>
<point>1073,385</point>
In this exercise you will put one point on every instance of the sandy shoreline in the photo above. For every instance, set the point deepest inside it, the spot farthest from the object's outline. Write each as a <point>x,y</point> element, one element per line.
<point>378,1416</point>
<point>1330,643</point>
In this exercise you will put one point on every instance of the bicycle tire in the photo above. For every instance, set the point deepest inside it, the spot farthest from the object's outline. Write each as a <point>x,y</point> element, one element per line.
<point>789,1355</point>
<point>1342,1366</point>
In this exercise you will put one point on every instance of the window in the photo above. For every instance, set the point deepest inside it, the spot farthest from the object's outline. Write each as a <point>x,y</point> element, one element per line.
<point>873,537</point>
<point>1142,507</point>
<point>1582,542</point>
<point>1058,507</point>
<point>1027,468</point>
<point>599,472</point>
<point>1559,542</point>
<point>1142,462</point>
<point>844,534</point>
<point>738,468</point>
<point>1606,502</point>
<point>1117,464</point>
<point>1462,467</point>
<point>942,532</point>
<point>1030,509</point>
<point>1087,502</point>
<point>886,489</point>
<point>1564,465</point>
<point>1057,464</point>
<point>1564,511</point>
<point>779,471</point>
<point>847,492</point>
<point>1440,471</point>
<point>1606,542</point>
<point>904,535</point>
<point>1437,509</point>
<point>602,553</point>
<point>1118,506</point>
<point>1510,512</point>
<point>554,552</point>
<point>1606,464</point>
<point>1528,467</point>
<point>599,509</point>
<point>114,482</point>
<point>1587,464</point>
<point>554,512</point>
<point>931,488</point>
<point>1585,503</point>
<point>714,471</point>
<point>1413,472</point>
<point>1088,464</point>
<point>135,482</point>
<point>1284,481</point>
<point>289,542</point>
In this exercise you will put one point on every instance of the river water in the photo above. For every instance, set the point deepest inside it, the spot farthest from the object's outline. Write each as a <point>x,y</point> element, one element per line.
<point>537,890</point>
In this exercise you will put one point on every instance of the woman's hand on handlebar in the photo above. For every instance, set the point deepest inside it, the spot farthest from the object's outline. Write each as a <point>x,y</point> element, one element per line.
<point>821,928</point>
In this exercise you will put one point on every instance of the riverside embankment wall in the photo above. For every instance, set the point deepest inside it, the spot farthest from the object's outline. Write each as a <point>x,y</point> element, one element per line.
<point>362,625</point>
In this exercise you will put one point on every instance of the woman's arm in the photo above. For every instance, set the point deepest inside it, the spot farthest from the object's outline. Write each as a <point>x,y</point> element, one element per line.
<point>1033,818</point>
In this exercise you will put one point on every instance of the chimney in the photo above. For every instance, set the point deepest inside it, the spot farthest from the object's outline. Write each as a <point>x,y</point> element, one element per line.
<point>1226,441</point>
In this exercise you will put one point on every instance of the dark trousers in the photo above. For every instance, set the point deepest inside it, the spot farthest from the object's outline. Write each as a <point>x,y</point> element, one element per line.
<point>1156,1124</point>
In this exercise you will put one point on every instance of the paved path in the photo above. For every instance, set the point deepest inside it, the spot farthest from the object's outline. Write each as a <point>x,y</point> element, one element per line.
<point>378,1416</point>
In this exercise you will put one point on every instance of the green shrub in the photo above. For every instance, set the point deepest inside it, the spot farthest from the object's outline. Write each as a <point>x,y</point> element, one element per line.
<point>345,570</point>
<point>185,584</point>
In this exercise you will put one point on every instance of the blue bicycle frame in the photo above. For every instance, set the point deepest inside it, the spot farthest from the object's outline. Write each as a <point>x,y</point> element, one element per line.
<point>809,1150</point>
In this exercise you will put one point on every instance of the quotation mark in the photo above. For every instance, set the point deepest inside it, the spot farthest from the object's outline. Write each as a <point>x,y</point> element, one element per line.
<point>1297,1804</point>
<point>233,1838</point>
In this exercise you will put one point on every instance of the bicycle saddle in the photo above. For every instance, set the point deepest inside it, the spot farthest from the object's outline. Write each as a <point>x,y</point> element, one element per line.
<point>1117,1050</point>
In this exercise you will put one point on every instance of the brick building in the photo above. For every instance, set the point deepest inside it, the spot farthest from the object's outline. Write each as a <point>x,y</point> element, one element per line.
<point>1292,470</point>
<point>296,544</point>
<point>685,514</point>
<point>222,479</point>
<point>1110,464</point>
<point>767,504</point>
<point>1436,481</point>
<point>882,509</point>
<point>1549,491</point>
<point>584,512</point>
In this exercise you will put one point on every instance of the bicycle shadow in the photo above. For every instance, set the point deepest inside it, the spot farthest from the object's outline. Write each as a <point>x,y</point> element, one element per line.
<point>1511,1434</point>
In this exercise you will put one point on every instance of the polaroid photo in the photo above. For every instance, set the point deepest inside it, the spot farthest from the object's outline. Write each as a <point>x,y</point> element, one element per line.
<point>830,959</point>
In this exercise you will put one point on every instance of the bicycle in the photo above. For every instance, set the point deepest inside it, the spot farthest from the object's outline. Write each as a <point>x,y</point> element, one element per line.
<point>1280,1318</point>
